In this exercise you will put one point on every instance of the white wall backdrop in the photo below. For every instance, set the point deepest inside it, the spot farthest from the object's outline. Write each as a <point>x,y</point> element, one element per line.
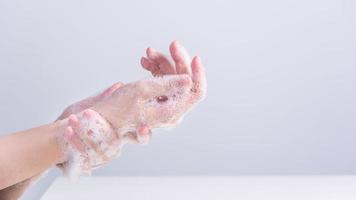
<point>281,79</point>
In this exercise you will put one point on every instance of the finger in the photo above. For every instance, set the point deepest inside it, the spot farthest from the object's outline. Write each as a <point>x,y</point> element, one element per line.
<point>180,57</point>
<point>74,140</point>
<point>68,133</point>
<point>82,142</point>
<point>84,136</point>
<point>152,67</point>
<point>76,143</point>
<point>73,122</point>
<point>164,64</point>
<point>198,77</point>
<point>102,138</point>
<point>108,91</point>
<point>90,136</point>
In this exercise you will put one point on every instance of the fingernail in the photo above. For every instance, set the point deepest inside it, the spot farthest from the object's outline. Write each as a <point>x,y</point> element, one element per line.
<point>72,119</point>
<point>175,42</point>
<point>150,51</point>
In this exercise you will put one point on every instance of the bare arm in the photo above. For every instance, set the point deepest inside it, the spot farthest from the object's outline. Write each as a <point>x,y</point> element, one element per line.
<point>15,191</point>
<point>157,64</point>
<point>28,153</point>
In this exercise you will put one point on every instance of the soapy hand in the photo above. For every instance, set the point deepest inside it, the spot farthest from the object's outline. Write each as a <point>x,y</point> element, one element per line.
<point>97,134</point>
<point>157,102</point>
<point>159,64</point>
<point>179,63</point>
<point>127,113</point>
<point>84,148</point>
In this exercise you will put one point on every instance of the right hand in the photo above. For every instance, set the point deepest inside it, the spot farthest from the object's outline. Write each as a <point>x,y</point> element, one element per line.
<point>158,102</point>
<point>136,108</point>
<point>127,115</point>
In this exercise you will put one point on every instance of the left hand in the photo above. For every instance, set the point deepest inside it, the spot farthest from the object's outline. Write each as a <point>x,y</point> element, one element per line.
<point>172,108</point>
<point>183,85</point>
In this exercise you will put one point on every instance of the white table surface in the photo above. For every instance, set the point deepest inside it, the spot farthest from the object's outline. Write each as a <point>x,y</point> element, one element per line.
<point>205,188</point>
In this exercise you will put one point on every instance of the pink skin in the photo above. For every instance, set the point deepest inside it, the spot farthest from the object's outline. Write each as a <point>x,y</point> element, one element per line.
<point>157,102</point>
<point>81,140</point>
<point>89,102</point>
<point>114,104</point>
<point>159,65</point>
<point>97,142</point>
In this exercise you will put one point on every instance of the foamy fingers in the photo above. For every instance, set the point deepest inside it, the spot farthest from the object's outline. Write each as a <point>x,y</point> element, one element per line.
<point>89,142</point>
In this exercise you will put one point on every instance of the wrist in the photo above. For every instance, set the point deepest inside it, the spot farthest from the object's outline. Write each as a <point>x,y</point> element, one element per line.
<point>58,140</point>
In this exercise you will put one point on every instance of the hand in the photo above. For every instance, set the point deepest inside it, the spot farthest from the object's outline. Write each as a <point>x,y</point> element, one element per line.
<point>90,142</point>
<point>134,109</point>
<point>158,102</point>
<point>92,139</point>
<point>179,63</point>
<point>79,139</point>
<point>159,64</point>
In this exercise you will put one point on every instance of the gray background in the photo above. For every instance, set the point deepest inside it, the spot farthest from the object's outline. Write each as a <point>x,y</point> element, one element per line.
<point>281,79</point>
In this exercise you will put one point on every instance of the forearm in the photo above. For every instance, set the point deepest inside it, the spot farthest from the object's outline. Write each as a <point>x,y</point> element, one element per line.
<point>27,153</point>
<point>15,191</point>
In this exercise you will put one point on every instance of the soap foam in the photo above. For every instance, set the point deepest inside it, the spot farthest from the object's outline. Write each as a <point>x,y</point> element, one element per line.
<point>91,127</point>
